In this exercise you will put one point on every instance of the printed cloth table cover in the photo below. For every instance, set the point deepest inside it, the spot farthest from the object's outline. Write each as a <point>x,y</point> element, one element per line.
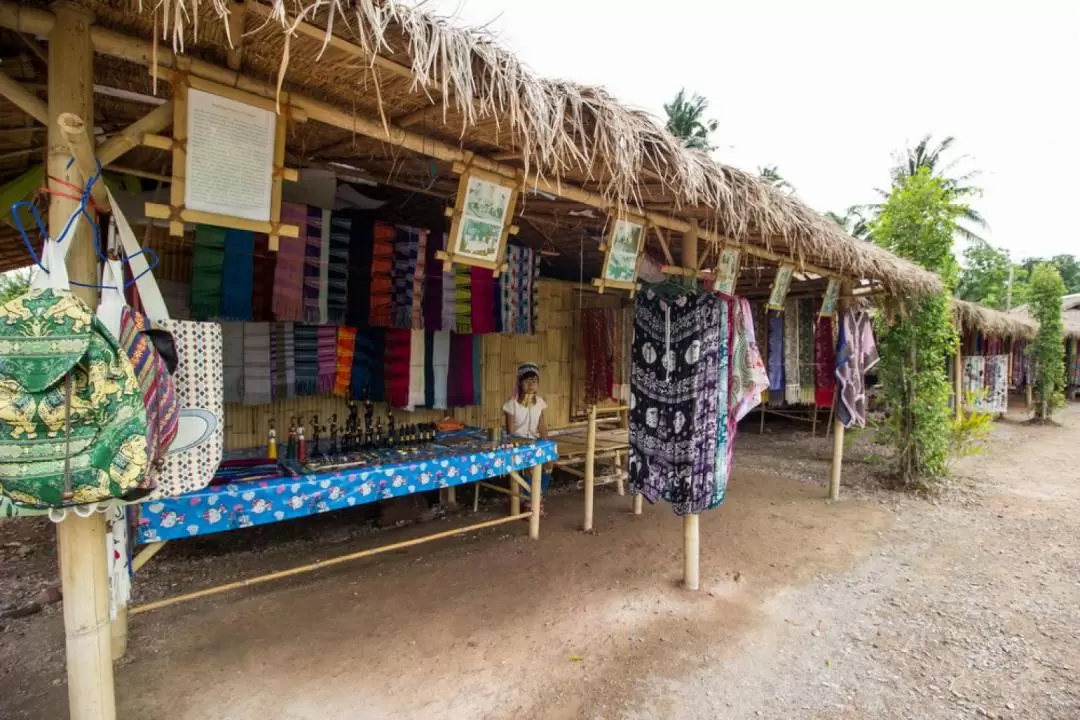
<point>246,504</point>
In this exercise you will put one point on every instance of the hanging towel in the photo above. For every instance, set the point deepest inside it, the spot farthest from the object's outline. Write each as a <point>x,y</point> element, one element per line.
<point>284,356</point>
<point>398,347</point>
<point>337,269</point>
<point>306,343</point>
<point>463,301</point>
<point>806,351</point>
<point>207,266</point>
<point>748,377</point>
<point>791,352</point>
<point>288,300</point>
<point>449,302</point>
<point>406,248</point>
<point>459,387</point>
<point>856,354</point>
<point>262,286</point>
<point>238,273</point>
<point>368,380</point>
<point>232,361</point>
<point>419,280</point>
<point>824,363</point>
<point>483,296</point>
<point>327,358</point>
<point>313,262</point>
<point>358,277</point>
<point>776,357</point>
<point>433,283</point>
<point>346,351</point>
<point>257,369</point>
<point>382,285</point>
<point>416,369</point>
<point>440,361</point>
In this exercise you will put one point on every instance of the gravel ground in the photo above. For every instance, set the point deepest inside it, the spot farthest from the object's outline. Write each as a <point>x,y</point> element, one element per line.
<point>881,605</point>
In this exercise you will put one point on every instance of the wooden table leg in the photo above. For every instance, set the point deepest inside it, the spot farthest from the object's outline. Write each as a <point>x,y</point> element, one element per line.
<point>638,503</point>
<point>515,496</point>
<point>537,501</point>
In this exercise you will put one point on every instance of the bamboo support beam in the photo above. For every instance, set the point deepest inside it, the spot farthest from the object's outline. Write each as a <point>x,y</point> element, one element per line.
<point>318,564</point>
<point>25,100</point>
<point>144,556</point>
<point>131,137</point>
<point>74,132</point>
<point>143,53</point>
<point>590,470</point>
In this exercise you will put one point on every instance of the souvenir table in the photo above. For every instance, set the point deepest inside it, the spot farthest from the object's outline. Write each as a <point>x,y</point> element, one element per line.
<point>457,458</point>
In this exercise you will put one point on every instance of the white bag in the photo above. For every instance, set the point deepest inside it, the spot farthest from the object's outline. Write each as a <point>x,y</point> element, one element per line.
<point>196,453</point>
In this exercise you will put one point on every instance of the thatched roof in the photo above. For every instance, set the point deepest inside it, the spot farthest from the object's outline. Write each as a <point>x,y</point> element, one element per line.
<point>410,69</point>
<point>994,323</point>
<point>1070,317</point>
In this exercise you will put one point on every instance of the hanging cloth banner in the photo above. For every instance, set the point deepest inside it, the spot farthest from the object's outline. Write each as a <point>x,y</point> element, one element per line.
<point>727,271</point>
<point>832,294</point>
<point>780,287</point>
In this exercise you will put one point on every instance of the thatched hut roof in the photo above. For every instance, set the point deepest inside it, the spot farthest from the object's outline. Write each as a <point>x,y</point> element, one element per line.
<point>1070,315</point>
<point>412,71</point>
<point>995,323</point>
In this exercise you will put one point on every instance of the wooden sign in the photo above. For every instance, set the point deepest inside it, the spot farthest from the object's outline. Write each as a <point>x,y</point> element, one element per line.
<point>622,253</point>
<point>727,271</point>
<point>480,219</point>
<point>828,303</point>
<point>781,285</point>
<point>228,155</point>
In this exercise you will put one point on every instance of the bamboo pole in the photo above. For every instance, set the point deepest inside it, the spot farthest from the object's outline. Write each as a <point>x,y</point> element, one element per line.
<point>638,503</point>
<point>25,100</point>
<point>958,382</point>
<point>130,137</point>
<point>144,53</point>
<point>691,523</point>
<point>536,496</point>
<point>81,148</point>
<point>837,466</point>
<point>81,542</point>
<point>590,470</point>
<point>322,564</point>
<point>515,497</point>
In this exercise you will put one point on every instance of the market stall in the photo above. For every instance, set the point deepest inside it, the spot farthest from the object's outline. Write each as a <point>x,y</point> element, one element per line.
<point>992,357</point>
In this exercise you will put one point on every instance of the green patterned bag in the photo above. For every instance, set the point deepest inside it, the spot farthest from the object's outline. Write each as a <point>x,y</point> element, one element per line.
<point>72,420</point>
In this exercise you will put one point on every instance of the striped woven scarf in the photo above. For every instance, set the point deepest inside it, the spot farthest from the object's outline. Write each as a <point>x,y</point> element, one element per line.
<point>418,281</point>
<point>284,359</point>
<point>232,361</point>
<point>368,379</point>
<point>288,301</point>
<point>361,242</point>
<point>306,343</point>
<point>238,271</point>
<point>257,369</point>
<point>406,249</point>
<point>207,264</point>
<point>396,364</point>
<point>382,287</point>
<point>449,298</point>
<point>327,357</point>
<point>346,350</point>
<point>313,286</point>
<point>338,268</point>
<point>433,283</point>
<point>463,299</point>
<point>483,297</point>
<point>262,286</point>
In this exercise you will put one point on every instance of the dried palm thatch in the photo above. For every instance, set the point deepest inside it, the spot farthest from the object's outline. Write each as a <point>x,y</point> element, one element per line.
<point>973,317</point>
<point>559,130</point>
<point>1070,317</point>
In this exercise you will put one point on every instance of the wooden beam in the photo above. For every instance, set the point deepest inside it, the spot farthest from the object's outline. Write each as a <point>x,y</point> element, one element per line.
<point>237,15</point>
<point>416,117</point>
<point>35,48</point>
<point>590,470</point>
<point>131,137</point>
<point>25,100</point>
<point>143,53</point>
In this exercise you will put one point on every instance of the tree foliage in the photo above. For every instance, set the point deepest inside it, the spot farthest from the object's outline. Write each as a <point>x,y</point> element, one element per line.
<point>770,174</point>
<point>854,221</point>
<point>1048,349</point>
<point>985,276</point>
<point>918,222</point>
<point>686,120</point>
<point>13,284</point>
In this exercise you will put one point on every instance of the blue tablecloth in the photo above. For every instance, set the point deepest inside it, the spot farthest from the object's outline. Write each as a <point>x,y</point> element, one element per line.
<point>244,504</point>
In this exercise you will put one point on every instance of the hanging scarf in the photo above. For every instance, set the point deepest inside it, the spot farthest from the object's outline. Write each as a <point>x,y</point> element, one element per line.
<point>856,354</point>
<point>324,266</point>
<point>449,302</point>
<point>483,293</point>
<point>599,373</point>
<point>382,286</point>
<point>418,281</point>
<point>806,351</point>
<point>306,344</point>
<point>398,348</point>
<point>358,276</point>
<point>429,369</point>
<point>288,300</point>
<point>463,303</point>
<point>207,264</point>
<point>477,371</point>
<point>406,250</point>
<point>346,351</point>
<point>369,359</point>
<point>776,357</point>
<point>440,361</point>
<point>327,358</point>
<point>313,262</point>
<point>238,272</point>
<point>792,352</point>
<point>232,361</point>
<point>257,364</point>
<point>262,286</point>
<point>433,283</point>
<point>459,387</point>
<point>824,362</point>
<point>416,370</point>
<point>726,423</point>
<point>748,377</point>
<point>284,357</point>
<point>519,291</point>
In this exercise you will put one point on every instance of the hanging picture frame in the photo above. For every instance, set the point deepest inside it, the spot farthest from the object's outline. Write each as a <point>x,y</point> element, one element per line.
<point>727,271</point>
<point>832,294</point>
<point>480,219</point>
<point>623,247</point>
<point>781,285</point>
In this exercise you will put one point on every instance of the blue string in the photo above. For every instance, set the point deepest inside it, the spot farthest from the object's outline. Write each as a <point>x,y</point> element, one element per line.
<point>84,201</point>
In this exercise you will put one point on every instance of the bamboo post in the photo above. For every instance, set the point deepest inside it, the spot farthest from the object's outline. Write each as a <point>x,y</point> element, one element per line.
<point>25,100</point>
<point>515,496</point>
<point>838,427</point>
<point>590,469</point>
<point>536,496</point>
<point>81,542</point>
<point>691,524</point>
<point>639,503</point>
<point>958,382</point>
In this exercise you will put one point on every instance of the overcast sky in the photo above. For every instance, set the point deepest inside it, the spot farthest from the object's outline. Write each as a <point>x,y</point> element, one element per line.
<point>828,90</point>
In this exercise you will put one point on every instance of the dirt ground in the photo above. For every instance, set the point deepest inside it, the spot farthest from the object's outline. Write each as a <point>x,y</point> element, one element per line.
<point>881,605</point>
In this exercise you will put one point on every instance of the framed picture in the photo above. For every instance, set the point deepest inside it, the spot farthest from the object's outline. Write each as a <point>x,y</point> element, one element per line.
<point>780,287</point>
<point>832,293</point>
<point>622,253</point>
<point>481,219</point>
<point>727,271</point>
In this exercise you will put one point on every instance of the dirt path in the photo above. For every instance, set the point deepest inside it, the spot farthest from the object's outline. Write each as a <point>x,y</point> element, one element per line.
<point>877,606</point>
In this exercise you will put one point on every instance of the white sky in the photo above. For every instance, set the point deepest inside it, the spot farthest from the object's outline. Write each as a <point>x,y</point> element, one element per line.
<point>828,90</point>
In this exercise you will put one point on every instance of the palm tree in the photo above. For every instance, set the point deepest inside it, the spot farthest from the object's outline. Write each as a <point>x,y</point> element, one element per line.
<point>770,174</point>
<point>685,120</point>
<point>854,222</point>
